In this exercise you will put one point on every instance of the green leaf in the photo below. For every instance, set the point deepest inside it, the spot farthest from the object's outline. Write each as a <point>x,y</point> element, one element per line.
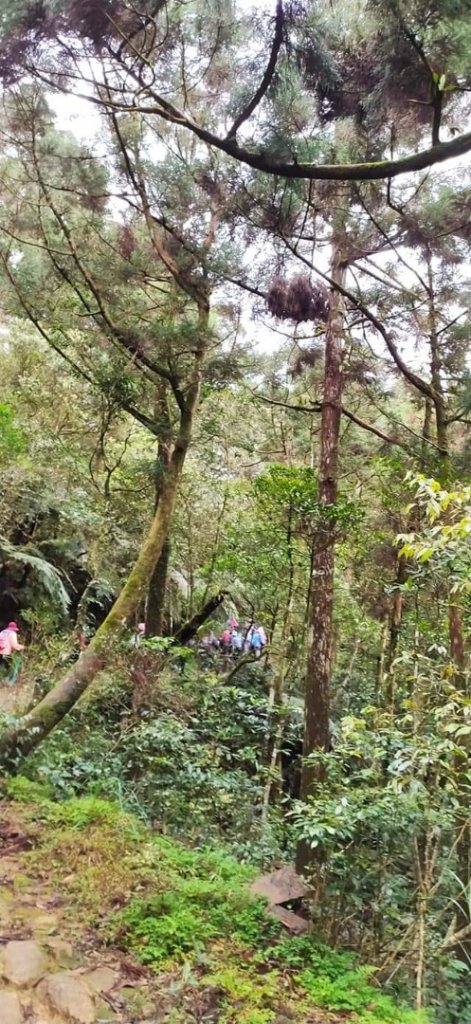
<point>47,576</point>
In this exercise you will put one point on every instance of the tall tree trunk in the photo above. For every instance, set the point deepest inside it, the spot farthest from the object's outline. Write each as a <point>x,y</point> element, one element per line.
<point>457,649</point>
<point>395,624</point>
<point>462,764</point>
<point>436,368</point>
<point>155,605</point>
<point>380,660</point>
<point>316,714</point>
<point>276,722</point>
<point>215,551</point>
<point>28,732</point>
<point>156,591</point>
<point>402,569</point>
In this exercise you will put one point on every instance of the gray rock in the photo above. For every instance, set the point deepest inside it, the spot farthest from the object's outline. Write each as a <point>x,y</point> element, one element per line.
<point>104,1013</point>
<point>102,979</point>
<point>23,963</point>
<point>69,996</point>
<point>10,1009</point>
<point>60,947</point>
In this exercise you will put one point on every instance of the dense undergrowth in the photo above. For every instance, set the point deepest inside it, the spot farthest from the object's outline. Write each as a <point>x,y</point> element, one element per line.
<point>187,913</point>
<point>188,756</point>
<point>182,760</point>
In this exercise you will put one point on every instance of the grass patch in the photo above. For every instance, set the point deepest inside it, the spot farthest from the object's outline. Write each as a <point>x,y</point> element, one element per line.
<point>26,791</point>
<point>248,998</point>
<point>336,981</point>
<point>196,911</point>
<point>85,848</point>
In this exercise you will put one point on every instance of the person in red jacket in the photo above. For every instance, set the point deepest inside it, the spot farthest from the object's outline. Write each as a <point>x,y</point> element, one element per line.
<point>10,648</point>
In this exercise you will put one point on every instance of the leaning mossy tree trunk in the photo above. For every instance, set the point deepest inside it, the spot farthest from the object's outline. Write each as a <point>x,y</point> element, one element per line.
<point>27,733</point>
<point>155,607</point>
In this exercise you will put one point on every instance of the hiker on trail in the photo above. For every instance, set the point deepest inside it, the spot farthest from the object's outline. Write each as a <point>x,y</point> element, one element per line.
<point>213,640</point>
<point>9,651</point>
<point>237,642</point>
<point>256,643</point>
<point>225,640</point>
<point>209,642</point>
<point>139,634</point>
<point>263,635</point>
<point>248,632</point>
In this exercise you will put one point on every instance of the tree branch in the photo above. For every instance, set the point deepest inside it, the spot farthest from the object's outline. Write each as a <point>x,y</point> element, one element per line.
<point>128,407</point>
<point>317,407</point>
<point>269,72</point>
<point>417,382</point>
<point>126,340</point>
<point>372,429</point>
<point>365,171</point>
<point>456,939</point>
<point>185,632</point>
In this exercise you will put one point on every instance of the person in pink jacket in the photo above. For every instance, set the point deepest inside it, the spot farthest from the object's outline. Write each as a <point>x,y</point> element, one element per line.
<point>9,651</point>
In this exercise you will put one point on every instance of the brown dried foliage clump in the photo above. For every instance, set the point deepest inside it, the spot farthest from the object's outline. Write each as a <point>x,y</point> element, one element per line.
<point>299,299</point>
<point>126,243</point>
<point>94,19</point>
<point>305,359</point>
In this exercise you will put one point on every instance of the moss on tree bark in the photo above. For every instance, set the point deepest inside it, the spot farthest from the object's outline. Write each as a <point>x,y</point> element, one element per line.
<point>27,733</point>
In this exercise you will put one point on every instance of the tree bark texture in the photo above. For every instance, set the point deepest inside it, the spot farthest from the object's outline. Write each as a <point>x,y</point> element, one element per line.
<point>317,699</point>
<point>155,606</point>
<point>395,624</point>
<point>403,565</point>
<point>157,586</point>
<point>436,369</point>
<point>190,628</point>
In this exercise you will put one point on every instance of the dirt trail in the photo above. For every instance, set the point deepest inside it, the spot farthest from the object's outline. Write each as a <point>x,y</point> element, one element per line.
<point>47,974</point>
<point>14,700</point>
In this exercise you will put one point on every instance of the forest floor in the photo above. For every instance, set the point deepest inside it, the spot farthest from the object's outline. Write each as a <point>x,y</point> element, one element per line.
<point>102,922</point>
<point>59,879</point>
<point>105,921</point>
<point>16,699</point>
<point>54,969</point>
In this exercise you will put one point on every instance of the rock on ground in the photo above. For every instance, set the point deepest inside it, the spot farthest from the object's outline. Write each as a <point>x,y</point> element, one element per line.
<point>23,963</point>
<point>69,996</point>
<point>102,979</point>
<point>10,1009</point>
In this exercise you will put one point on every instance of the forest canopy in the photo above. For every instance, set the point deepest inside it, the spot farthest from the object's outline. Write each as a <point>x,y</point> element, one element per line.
<point>236,504</point>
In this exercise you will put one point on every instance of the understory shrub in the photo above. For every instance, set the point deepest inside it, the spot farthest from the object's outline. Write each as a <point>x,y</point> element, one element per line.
<point>209,899</point>
<point>196,774</point>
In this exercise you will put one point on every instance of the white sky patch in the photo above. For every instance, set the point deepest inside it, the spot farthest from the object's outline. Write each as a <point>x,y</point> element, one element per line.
<point>76,115</point>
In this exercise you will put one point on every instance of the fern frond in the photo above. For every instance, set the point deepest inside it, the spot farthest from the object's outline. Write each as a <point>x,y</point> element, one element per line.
<point>46,575</point>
